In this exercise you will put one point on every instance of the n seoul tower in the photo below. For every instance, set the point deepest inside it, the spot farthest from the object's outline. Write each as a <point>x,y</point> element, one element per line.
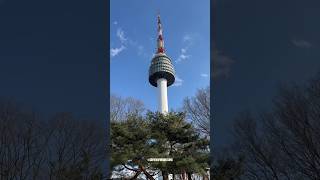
<point>161,72</point>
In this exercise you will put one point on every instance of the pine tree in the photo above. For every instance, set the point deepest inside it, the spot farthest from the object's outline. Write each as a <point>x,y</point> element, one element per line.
<point>177,139</point>
<point>130,144</point>
<point>159,136</point>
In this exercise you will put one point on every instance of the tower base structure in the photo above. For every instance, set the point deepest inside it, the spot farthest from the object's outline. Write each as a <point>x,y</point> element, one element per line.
<point>162,96</point>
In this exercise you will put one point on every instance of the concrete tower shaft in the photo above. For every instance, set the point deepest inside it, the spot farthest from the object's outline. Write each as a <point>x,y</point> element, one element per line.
<point>162,95</point>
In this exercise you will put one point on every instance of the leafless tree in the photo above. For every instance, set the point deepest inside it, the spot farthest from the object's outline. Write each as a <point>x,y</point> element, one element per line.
<point>261,158</point>
<point>283,143</point>
<point>22,143</point>
<point>61,148</point>
<point>121,108</point>
<point>77,148</point>
<point>198,110</point>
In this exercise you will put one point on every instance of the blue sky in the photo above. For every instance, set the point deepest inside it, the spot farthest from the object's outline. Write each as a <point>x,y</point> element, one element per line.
<point>133,30</point>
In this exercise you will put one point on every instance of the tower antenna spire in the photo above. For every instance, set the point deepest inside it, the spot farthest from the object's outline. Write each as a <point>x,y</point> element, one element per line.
<point>160,42</point>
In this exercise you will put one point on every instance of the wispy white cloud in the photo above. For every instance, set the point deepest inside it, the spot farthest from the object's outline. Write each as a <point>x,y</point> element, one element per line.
<point>115,22</point>
<point>187,40</point>
<point>301,43</point>
<point>141,51</point>
<point>121,36</point>
<point>182,57</point>
<point>178,81</point>
<point>116,51</point>
<point>204,75</point>
<point>128,42</point>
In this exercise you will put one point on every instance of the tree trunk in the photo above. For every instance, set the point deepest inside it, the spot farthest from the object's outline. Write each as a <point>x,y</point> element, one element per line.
<point>146,173</point>
<point>184,175</point>
<point>205,177</point>
<point>165,175</point>
<point>189,176</point>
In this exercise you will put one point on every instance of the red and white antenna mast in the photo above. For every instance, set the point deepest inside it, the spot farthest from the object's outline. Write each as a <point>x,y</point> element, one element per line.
<point>160,42</point>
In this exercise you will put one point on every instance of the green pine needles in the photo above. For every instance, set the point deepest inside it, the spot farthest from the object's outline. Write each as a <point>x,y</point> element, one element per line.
<point>156,135</point>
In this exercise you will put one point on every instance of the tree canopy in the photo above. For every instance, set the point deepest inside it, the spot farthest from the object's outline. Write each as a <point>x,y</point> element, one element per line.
<point>159,136</point>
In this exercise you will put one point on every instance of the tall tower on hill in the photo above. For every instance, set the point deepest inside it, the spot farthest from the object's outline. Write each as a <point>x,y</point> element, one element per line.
<point>161,72</point>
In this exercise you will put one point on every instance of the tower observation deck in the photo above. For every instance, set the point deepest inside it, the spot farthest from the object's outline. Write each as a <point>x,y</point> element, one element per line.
<point>161,72</point>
